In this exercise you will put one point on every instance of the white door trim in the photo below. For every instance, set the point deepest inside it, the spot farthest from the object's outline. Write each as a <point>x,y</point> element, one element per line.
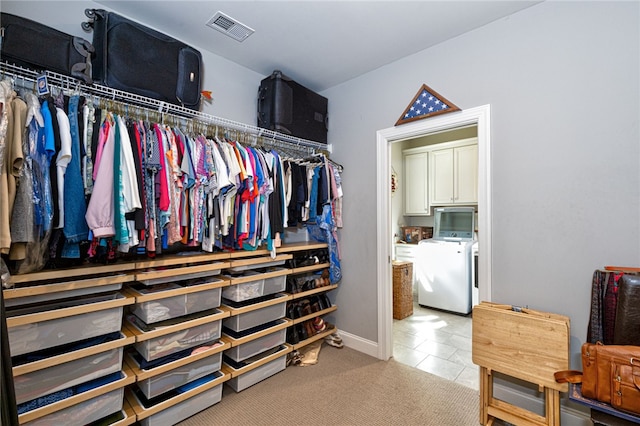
<point>479,116</point>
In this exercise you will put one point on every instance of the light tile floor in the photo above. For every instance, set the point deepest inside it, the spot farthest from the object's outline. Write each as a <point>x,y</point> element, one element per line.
<point>437,342</point>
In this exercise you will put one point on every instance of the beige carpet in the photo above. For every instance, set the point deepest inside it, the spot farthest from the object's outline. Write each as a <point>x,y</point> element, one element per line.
<point>346,387</point>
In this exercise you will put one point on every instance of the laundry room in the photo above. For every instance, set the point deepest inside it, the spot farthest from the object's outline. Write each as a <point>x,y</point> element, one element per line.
<point>431,172</point>
<point>434,220</point>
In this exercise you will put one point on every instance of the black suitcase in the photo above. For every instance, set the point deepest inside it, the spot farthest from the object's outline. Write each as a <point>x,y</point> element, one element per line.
<point>33,45</point>
<point>132,57</point>
<point>290,108</point>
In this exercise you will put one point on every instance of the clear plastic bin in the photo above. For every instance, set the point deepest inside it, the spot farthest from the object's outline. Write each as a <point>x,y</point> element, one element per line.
<point>58,377</point>
<point>182,410</point>
<point>84,412</point>
<point>256,375</point>
<point>179,376</point>
<point>175,306</point>
<point>244,291</point>
<point>59,331</point>
<point>254,347</point>
<point>257,317</point>
<point>252,289</point>
<point>158,347</point>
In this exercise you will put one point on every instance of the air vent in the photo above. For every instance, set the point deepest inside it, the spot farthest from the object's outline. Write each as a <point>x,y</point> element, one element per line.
<point>229,26</point>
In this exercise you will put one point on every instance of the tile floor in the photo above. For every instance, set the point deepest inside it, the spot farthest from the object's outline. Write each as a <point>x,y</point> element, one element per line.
<point>437,342</point>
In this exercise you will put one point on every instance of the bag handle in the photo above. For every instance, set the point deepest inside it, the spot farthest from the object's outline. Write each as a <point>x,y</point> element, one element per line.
<point>568,376</point>
<point>628,269</point>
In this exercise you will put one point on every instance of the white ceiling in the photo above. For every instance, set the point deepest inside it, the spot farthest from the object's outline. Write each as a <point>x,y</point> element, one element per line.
<point>319,44</point>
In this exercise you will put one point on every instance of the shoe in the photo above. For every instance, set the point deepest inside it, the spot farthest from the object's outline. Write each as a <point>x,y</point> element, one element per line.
<point>294,358</point>
<point>334,340</point>
<point>319,325</point>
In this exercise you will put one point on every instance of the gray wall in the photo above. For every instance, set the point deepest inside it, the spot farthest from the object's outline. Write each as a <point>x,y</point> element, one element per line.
<point>562,81</point>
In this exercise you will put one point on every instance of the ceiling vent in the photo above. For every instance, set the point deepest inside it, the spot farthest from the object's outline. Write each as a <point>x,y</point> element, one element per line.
<point>229,26</point>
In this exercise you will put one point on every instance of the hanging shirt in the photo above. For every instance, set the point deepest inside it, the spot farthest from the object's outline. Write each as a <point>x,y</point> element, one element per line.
<point>62,160</point>
<point>100,211</point>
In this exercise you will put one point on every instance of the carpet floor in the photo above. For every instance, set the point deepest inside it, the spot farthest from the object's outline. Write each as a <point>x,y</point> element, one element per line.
<point>345,387</point>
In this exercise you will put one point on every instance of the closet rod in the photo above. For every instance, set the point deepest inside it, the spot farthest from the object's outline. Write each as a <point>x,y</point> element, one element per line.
<point>66,82</point>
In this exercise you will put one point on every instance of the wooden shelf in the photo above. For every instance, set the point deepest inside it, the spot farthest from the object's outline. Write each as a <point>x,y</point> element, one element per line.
<point>37,413</point>
<point>313,291</point>
<point>142,374</point>
<point>187,258</point>
<point>68,311</point>
<point>280,297</point>
<point>226,368</point>
<point>257,261</point>
<point>285,323</point>
<point>141,336</point>
<point>314,314</point>
<point>311,268</point>
<point>314,338</point>
<point>141,298</point>
<point>154,273</point>
<point>309,245</point>
<point>126,339</point>
<point>78,271</point>
<point>142,413</point>
<point>263,276</point>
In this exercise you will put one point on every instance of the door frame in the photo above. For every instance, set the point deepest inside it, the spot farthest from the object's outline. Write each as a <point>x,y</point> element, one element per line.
<point>480,117</point>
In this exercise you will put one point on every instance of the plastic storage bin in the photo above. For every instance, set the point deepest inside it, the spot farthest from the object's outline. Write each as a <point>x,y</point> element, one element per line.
<point>256,317</point>
<point>170,343</point>
<point>84,412</point>
<point>250,378</point>
<point>179,376</point>
<point>60,330</point>
<point>174,306</point>
<point>256,346</point>
<point>58,377</point>
<point>182,410</point>
<point>255,288</point>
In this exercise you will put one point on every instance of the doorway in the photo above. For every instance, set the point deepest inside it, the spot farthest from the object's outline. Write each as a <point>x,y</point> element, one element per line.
<point>479,117</point>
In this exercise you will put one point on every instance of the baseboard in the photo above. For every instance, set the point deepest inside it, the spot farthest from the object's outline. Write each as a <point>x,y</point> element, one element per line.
<point>359,344</point>
<point>569,416</point>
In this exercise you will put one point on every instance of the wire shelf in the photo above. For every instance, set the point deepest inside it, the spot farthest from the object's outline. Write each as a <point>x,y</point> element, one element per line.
<point>69,83</point>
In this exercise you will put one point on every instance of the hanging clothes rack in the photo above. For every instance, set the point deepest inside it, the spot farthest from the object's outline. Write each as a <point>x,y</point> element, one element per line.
<point>180,112</point>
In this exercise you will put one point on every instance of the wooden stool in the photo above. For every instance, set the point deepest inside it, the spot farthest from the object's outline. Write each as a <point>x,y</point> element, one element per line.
<point>524,344</point>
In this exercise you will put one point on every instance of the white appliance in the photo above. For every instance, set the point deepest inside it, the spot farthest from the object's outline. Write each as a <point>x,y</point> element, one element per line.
<point>444,272</point>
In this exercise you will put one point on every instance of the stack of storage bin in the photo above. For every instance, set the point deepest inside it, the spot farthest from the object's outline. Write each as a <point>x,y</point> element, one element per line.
<point>256,328</point>
<point>177,355</point>
<point>67,347</point>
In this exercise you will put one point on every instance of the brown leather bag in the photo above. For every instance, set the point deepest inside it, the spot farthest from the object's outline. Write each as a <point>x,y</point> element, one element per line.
<point>611,374</point>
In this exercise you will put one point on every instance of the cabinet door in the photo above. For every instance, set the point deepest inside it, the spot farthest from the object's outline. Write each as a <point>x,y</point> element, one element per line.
<point>441,176</point>
<point>416,199</point>
<point>466,174</point>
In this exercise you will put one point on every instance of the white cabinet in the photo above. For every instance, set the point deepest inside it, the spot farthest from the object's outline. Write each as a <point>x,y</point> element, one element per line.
<point>416,195</point>
<point>453,175</point>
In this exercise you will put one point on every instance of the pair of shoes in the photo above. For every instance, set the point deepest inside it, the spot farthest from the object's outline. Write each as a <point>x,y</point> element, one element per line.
<point>334,340</point>
<point>294,358</point>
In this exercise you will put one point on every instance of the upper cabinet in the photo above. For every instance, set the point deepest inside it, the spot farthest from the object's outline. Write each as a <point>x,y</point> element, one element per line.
<point>453,175</point>
<point>416,195</point>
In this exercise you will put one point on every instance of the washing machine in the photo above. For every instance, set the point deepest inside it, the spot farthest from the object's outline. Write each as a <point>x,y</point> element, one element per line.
<point>444,271</point>
<point>444,275</point>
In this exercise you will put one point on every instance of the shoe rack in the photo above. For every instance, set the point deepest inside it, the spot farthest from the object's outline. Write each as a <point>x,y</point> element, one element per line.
<point>190,286</point>
<point>309,271</point>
